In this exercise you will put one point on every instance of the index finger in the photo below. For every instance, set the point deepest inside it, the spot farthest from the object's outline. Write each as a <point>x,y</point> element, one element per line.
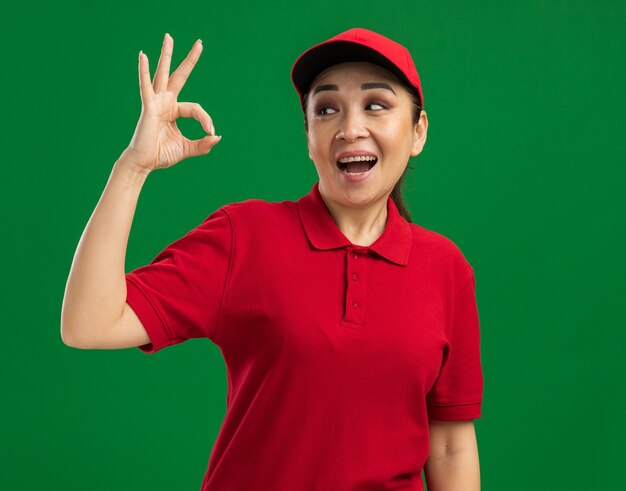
<point>179,77</point>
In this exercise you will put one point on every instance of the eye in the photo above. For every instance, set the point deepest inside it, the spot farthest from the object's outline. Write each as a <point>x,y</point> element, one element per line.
<point>320,110</point>
<point>382,106</point>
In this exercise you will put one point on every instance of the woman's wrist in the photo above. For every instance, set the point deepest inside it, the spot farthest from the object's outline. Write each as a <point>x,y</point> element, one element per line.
<point>133,173</point>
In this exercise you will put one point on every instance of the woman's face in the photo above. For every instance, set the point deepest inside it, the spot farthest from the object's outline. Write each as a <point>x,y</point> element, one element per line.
<point>362,108</point>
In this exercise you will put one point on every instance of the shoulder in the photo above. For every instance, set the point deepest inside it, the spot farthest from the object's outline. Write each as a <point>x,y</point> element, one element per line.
<point>441,252</point>
<point>254,214</point>
<point>255,208</point>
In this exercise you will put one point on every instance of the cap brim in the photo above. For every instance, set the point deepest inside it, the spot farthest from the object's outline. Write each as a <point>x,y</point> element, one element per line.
<point>317,59</point>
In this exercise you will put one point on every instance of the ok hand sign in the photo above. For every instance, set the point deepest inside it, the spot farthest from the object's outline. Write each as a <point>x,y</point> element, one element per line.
<point>157,142</point>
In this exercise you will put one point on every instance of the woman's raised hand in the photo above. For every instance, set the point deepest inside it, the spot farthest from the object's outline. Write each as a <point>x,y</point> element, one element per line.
<point>157,142</point>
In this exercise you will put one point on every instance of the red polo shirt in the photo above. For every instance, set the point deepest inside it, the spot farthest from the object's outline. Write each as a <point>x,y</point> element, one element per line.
<point>337,354</point>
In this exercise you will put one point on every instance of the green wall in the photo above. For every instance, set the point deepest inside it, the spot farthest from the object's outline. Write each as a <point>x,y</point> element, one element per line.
<point>523,169</point>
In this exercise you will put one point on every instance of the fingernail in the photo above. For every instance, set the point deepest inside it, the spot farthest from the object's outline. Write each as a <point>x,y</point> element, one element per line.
<point>165,37</point>
<point>200,41</point>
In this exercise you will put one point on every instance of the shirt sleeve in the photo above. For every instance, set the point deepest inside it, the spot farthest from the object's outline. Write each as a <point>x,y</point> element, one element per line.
<point>458,390</point>
<point>178,295</point>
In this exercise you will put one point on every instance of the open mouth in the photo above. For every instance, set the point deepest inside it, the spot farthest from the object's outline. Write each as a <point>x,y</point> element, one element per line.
<point>357,165</point>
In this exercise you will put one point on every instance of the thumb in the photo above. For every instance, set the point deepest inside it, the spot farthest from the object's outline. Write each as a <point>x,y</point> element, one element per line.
<point>195,148</point>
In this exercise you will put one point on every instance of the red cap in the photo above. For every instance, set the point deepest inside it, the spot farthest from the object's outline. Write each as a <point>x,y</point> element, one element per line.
<point>356,44</point>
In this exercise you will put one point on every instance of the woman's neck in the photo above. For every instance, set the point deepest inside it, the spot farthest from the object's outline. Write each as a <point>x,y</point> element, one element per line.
<point>361,226</point>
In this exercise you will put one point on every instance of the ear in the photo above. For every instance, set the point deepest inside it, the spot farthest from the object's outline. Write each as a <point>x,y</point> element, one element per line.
<point>419,134</point>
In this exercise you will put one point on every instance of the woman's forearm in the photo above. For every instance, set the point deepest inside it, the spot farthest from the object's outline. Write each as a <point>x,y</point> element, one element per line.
<point>455,471</point>
<point>95,290</point>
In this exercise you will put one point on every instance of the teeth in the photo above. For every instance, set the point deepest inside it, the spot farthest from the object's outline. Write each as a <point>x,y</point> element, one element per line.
<point>358,158</point>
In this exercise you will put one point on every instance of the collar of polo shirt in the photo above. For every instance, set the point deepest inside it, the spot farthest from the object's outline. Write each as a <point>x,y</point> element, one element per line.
<point>323,233</point>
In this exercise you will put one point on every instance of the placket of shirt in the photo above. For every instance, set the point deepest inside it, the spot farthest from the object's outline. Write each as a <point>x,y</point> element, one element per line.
<point>355,298</point>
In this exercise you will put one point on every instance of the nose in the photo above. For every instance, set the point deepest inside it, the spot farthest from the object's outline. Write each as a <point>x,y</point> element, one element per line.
<point>351,126</point>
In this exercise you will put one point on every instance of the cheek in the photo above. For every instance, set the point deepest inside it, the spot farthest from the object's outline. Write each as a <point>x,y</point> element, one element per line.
<point>315,146</point>
<point>317,137</point>
<point>398,137</point>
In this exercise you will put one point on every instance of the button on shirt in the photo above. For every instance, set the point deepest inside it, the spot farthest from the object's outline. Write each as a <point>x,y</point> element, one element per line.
<point>337,354</point>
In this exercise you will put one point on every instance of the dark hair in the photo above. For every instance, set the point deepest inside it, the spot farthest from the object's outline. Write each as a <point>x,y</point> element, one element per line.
<point>396,192</point>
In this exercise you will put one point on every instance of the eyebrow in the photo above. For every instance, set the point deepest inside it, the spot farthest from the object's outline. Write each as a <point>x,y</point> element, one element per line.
<point>366,86</point>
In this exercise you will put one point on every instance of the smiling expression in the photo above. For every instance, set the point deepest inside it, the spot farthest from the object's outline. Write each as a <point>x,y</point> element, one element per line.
<point>359,107</point>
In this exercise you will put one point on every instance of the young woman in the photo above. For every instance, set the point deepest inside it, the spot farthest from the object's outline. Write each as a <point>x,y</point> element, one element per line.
<point>349,333</point>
